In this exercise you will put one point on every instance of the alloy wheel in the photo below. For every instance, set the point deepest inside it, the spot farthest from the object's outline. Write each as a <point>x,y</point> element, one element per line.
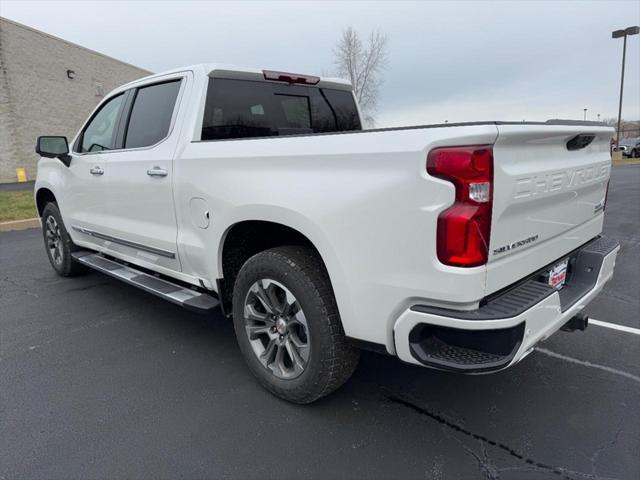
<point>277,328</point>
<point>54,240</point>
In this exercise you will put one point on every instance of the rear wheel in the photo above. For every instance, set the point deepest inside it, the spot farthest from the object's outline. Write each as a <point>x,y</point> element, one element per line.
<point>288,327</point>
<point>58,244</point>
<point>635,153</point>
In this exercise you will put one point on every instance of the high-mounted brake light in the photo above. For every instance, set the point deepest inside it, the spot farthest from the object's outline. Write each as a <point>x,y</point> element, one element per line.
<point>290,77</point>
<point>465,227</point>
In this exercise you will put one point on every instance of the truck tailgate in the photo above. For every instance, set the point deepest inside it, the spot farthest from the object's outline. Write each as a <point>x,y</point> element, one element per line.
<point>550,183</point>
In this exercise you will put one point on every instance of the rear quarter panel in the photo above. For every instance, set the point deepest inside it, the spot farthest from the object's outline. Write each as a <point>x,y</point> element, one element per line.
<point>363,199</point>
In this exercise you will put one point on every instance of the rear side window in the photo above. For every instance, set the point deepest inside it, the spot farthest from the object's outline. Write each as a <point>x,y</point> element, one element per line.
<point>151,114</point>
<point>244,108</point>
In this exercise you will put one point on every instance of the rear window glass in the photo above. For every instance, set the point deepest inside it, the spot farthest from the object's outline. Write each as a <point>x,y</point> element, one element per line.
<point>244,108</point>
<point>344,109</point>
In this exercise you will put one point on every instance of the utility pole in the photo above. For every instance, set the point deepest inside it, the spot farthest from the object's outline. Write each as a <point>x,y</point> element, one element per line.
<point>617,34</point>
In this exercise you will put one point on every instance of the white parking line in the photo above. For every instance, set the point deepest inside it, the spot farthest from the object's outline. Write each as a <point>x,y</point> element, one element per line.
<point>585,363</point>
<point>614,326</point>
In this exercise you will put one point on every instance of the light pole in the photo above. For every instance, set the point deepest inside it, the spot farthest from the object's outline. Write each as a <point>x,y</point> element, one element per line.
<point>585,114</point>
<point>617,34</point>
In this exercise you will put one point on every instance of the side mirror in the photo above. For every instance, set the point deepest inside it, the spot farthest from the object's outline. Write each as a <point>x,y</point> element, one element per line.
<point>54,147</point>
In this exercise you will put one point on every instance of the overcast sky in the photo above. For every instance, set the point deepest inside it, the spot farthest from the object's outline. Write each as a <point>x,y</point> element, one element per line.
<point>455,61</point>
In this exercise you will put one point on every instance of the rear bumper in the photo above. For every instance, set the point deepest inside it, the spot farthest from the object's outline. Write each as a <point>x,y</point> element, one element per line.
<point>509,324</point>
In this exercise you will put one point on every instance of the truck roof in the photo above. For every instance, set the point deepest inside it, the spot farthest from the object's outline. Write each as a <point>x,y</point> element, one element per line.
<point>221,70</point>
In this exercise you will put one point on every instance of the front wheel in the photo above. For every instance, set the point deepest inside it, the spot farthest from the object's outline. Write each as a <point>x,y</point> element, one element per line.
<point>288,327</point>
<point>58,243</point>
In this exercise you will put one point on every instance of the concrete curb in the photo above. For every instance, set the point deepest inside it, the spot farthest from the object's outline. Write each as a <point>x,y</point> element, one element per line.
<point>19,224</point>
<point>629,161</point>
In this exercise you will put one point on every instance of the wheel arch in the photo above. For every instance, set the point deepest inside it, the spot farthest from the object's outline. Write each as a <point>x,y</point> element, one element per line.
<point>246,237</point>
<point>42,197</point>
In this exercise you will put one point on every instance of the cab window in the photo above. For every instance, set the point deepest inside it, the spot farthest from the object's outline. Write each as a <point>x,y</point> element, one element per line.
<point>100,133</point>
<point>246,108</point>
<point>150,117</point>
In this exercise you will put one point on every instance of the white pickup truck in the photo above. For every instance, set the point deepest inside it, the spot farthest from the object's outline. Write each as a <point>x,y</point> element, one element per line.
<point>456,247</point>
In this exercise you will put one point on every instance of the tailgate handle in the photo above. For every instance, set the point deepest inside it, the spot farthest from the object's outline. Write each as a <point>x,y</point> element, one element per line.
<point>580,141</point>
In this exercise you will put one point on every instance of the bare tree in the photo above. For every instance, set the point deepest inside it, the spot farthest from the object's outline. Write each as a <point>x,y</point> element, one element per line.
<point>628,129</point>
<point>362,65</point>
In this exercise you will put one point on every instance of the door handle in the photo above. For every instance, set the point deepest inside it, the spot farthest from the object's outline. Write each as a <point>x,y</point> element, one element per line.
<point>157,172</point>
<point>97,170</point>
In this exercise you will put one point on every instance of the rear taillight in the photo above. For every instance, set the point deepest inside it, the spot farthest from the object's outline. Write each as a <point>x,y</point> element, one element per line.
<point>464,228</point>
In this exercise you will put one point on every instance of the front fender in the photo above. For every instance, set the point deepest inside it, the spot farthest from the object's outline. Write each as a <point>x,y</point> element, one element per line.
<point>51,177</point>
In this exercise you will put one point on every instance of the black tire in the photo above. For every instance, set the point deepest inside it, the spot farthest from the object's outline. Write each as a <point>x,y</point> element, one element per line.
<point>635,153</point>
<point>331,358</point>
<point>61,259</point>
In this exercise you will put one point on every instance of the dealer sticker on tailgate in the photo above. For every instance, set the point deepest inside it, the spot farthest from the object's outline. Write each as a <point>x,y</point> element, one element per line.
<point>558,274</point>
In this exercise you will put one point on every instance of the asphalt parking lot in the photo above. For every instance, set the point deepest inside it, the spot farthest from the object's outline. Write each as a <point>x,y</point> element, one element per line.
<point>100,380</point>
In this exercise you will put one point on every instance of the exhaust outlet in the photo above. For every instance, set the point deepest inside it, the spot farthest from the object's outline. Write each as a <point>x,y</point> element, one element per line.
<point>578,322</point>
